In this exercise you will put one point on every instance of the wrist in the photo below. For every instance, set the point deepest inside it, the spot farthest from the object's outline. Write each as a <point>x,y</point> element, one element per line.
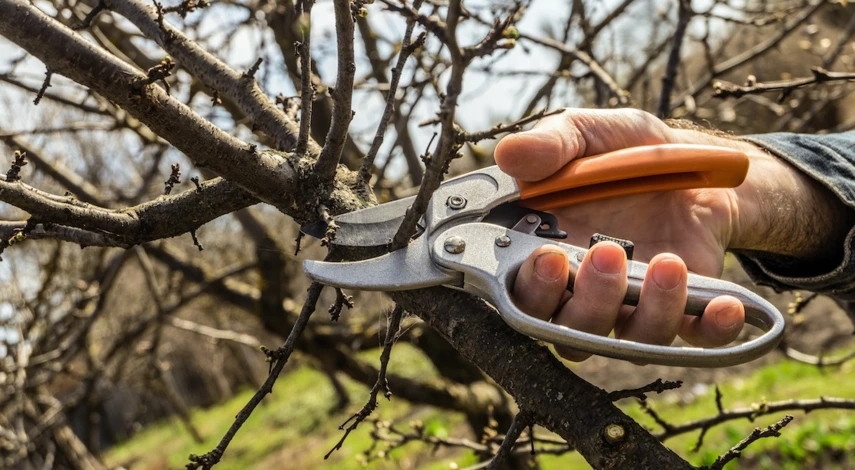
<point>781,210</point>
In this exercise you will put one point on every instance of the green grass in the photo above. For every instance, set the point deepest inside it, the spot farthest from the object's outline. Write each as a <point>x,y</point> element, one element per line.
<point>293,428</point>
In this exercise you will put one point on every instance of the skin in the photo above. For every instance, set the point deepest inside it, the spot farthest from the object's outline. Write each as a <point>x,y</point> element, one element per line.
<point>776,210</point>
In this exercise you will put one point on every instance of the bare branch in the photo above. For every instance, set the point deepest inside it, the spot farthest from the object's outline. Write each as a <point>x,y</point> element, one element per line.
<point>621,96</point>
<point>684,15</point>
<point>87,21</point>
<point>521,421</point>
<point>406,50</point>
<point>476,137</point>
<point>342,95</point>
<point>67,53</point>
<point>307,89</point>
<point>820,75</point>
<point>381,383</point>
<point>213,72</point>
<point>757,410</point>
<point>760,49</point>
<point>215,333</point>
<point>736,451</point>
<point>43,89</point>
<point>658,386</point>
<point>167,216</point>
<point>437,164</point>
<point>279,357</point>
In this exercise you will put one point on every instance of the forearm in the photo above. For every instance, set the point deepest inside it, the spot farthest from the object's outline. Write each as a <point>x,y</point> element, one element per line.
<point>783,211</point>
<point>796,230</point>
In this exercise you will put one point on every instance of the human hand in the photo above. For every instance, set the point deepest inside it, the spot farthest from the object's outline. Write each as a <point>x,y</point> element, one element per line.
<point>673,231</point>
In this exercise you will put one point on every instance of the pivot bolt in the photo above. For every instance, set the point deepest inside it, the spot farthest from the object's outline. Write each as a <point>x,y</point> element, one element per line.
<point>454,245</point>
<point>456,202</point>
<point>503,241</point>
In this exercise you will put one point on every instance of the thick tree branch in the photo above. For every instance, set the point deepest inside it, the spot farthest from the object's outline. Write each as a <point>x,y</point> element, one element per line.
<point>558,399</point>
<point>266,174</point>
<point>164,217</point>
<point>243,91</point>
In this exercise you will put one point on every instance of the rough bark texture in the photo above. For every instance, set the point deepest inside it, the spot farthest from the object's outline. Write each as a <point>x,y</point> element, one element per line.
<point>558,399</point>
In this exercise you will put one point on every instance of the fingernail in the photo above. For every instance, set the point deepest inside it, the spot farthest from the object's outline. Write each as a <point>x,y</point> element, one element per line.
<point>728,317</point>
<point>605,262</point>
<point>667,274</point>
<point>549,266</point>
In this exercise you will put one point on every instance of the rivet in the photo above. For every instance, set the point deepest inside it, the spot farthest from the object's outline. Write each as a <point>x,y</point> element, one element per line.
<point>614,433</point>
<point>580,257</point>
<point>503,240</point>
<point>454,245</point>
<point>456,202</point>
<point>531,218</point>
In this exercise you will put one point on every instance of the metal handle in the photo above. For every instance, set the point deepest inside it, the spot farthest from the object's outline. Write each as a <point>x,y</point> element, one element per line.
<point>489,265</point>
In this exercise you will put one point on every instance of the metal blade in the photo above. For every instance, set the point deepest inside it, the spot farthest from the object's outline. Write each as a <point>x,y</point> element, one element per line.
<point>374,226</point>
<point>405,269</point>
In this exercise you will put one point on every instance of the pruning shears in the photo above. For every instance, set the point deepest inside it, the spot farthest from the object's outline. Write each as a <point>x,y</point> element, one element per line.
<point>480,227</point>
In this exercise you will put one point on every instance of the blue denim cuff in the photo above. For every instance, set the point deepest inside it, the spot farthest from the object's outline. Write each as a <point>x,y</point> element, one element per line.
<point>830,160</point>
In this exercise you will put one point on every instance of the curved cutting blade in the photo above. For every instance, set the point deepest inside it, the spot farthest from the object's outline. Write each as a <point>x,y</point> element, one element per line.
<point>405,269</point>
<point>374,226</point>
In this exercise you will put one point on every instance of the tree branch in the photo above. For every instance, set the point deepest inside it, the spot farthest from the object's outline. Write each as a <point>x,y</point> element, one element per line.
<point>164,217</point>
<point>279,357</point>
<point>820,75</point>
<point>325,167</point>
<point>684,15</point>
<point>406,49</point>
<point>243,91</point>
<point>67,53</point>
<point>307,89</point>
<point>736,451</point>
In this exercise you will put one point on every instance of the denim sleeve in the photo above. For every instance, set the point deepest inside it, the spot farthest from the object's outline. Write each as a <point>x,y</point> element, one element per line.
<point>830,160</point>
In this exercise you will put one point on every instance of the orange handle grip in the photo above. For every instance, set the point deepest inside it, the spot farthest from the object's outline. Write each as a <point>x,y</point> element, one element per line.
<point>637,170</point>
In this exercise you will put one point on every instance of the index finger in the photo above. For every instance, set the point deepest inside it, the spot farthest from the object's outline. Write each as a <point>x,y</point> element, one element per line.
<point>556,140</point>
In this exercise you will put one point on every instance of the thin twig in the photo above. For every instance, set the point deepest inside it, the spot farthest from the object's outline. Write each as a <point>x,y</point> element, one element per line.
<point>371,404</point>
<point>820,75</point>
<point>87,21</point>
<point>735,452</point>
<point>342,95</point>
<point>174,178</point>
<point>658,386</point>
<point>437,164</point>
<point>280,357</point>
<point>406,50</point>
<point>475,137</point>
<point>43,89</point>
<point>307,89</point>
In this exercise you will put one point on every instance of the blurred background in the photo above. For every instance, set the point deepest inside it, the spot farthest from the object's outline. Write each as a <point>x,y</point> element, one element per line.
<point>136,358</point>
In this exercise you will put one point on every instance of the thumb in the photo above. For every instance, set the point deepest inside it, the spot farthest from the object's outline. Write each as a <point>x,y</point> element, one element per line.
<point>556,140</point>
